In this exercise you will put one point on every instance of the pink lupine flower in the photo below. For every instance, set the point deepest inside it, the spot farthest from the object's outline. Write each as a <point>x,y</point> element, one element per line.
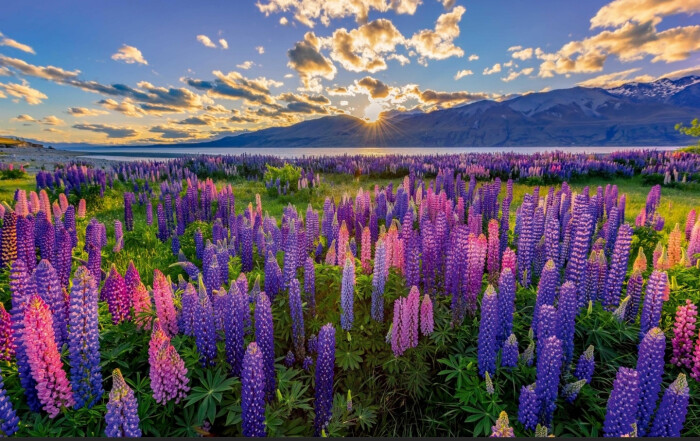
<point>366,252</point>
<point>53,388</point>
<point>509,259</point>
<point>143,307</point>
<point>396,346</point>
<point>7,338</point>
<point>427,323</point>
<point>409,317</point>
<point>165,307</point>
<point>167,370</point>
<point>683,333</point>
<point>674,246</point>
<point>81,209</point>
<point>640,263</point>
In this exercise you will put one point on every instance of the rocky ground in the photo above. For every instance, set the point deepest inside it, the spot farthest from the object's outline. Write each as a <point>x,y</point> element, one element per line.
<point>38,158</point>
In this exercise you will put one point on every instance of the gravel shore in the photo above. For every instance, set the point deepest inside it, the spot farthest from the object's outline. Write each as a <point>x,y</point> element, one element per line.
<point>38,158</point>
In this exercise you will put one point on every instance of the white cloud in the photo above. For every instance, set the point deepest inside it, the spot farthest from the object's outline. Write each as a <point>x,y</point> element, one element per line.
<point>5,41</point>
<point>50,120</point>
<point>206,41</point>
<point>129,55</point>
<point>522,54</point>
<point>438,44</point>
<point>260,50</point>
<point>223,43</point>
<point>84,111</point>
<point>284,21</point>
<point>245,65</point>
<point>619,12</point>
<point>23,92</point>
<point>308,12</point>
<point>463,73</point>
<point>682,72</point>
<point>615,79</point>
<point>495,69</point>
<point>473,57</point>
<point>513,74</point>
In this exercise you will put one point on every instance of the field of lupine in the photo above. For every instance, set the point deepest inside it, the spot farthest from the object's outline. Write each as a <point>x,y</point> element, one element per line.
<point>470,294</point>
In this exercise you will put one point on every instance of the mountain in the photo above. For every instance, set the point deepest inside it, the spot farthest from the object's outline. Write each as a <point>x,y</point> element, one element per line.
<point>634,114</point>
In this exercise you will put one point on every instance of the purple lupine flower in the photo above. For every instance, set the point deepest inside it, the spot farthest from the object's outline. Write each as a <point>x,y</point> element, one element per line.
<point>289,359</point>
<point>586,365</point>
<point>546,291</point>
<point>489,326</point>
<point>83,340</point>
<point>571,390</point>
<point>199,244</point>
<point>622,404</point>
<point>378,281</point>
<point>122,415</point>
<point>526,240</point>
<point>205,328</point>
<point>63,251</point>
<point>290,256</point>
<point>165,306</point>
<point>653,302</point>
<point>325,364</point>
<point>412,258</point>
<point>49,288</point>
<point>396,346</point>
<point>506,303</point>
<point>310,283</point>
<point>670,417</point>
<point>618,267</point>
<point>494,251</point>
<point>7,339</point>
<point>273,276</point>
<point>566,319</point>
<point>347,296</point>
<point>634,292</point>
<point>297,313</point>
<point>163,232</point>
<point>188,314</point>
<point>246,238</point>
<point>683,334</point>
<point>549,364</point>
<point>253,392</point>
<point>307,363</point>
<point>25,241</point>
<point>409,317</point>
<point>149,213</point>
<point>128,211</point>
<point>264,336</point>
<point>650,368</point>
<point>510,352</point>
<point>528,407</point>
<point>476,256</point>
<point>114,293</point>
<point>234,328</point>
<point>576,266</point>
<point>546,326</point>
<point>552,235</point>
<point>426,316</point>
<point>9,422</point>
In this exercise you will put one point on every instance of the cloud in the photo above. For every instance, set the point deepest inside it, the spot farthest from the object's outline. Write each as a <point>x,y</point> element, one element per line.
<point>206,41</point>
<point>682,72</point>
<point>245,65</point>
<point>260,49</point>
<point>233,85</point>
<point>364,49</point>
<point>84,111</point>
<point>438,44</point>
<point>167,132</point>
<point>619,12</point>
<point>50,120</point>
<point>202,120</point>
<point>109,130</point>
<point>447,4</point>
<point>522,54</point>
<point>304,103</point>
<point>307,12</point>
<point>223,43</point>
<point>402,59</point>
<point>5,41</point>
<point>343,103</point>
<point>463,73</point>
<point>51,73</point>
<point>126,107</point>
<point>23,92</point>
<point>309,63</point>
<point>284,21</point>
<point>513,74</point>
<point>434,99</point>
<point>129,55</point>
<point>615,79</point>
<point>495,69</point>
<point>376,88</point>
<point>473,57</point>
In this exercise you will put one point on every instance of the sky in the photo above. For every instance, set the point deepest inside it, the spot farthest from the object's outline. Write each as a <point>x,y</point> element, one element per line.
<point>162,71</point>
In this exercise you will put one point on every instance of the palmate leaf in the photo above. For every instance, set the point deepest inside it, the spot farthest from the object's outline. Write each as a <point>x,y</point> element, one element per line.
<point>347,358</point>
<point>209,394</point>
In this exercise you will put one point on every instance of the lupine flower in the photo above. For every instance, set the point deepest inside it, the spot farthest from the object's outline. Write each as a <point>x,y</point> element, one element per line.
<point>650,368</point>
<point>585,365</point>
<point>143,307</point>
<point>8,242</point>
<point>510,352</point>
<point>683,333</point>
<point>526,240</point>
<point>366,251</point>
<point>528,354</point>
<point>672,410</point>
<point>83,340</point>
<point>253,392</point>
<point>115,294</point>
<point>549,364</point>
<point>506,303</point>
<point>53,388</point>
<point>502,428</point>
<point>426,316</point>
<point>325,365</point>
<point>310,284</point>
<point>566,319</point>
<point>378,281</point>
<point>264,336</point>
<point>7,339</point>
<point>571,390</point>
<point>204,328</point>
<point>297,314</point>
<point>9,421</point>
<point>674,246</point>
<point>118,237</point>
<point>409,318</point>
<point>168,373</point>
<point>640,263</point>
<point>653,302</point>
<point>307,363</point>
<point>546,292</point>
<point>618,267</point>
<point>489,326</point>
<point>165,307</point>
<point>289,359</point>
<point>290,256</point>
<point>347,296</point>
<point>509,260</point>
<point>49,288</point>
<point>396,346</point>
<point>234,328</point>
<point>476,256</point>
<point>489,384</point>
<point>634,292</point>
<point>622,404</point>
<point>81,208</point>
<point>528,408</point>
<point>122,416</point>
<point>273,276</point>
<point>128,211</point>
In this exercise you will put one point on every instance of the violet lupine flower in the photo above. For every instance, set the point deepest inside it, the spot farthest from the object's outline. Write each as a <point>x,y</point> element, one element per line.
<point>290,256</point>
<point>188,314</point>
<point>310,284</point>
<point>670,416</point>
<point>378,281</point>
<point>9,422</point>
<point>149,213</point>
<point>683,334</point>
<point>122,415</point>
<point>253,392</point>
<point>650,368</point>
<point>427,323</point>
<point>234,328</point>
<point>566,319</point>
<point>297,313</point>
<point>289,359</point>
<point>571,390</point>
<point>53,388</point>
<point>506,303</point>
<point>622,404</point>
<point>167,372</point>
<point>264,336</point>
<point>526,240</point>
<point>546,292</point>
<point>618,267</point>
<point>25,241</point>
<point>634,292</point>
<point>204,328</point>
<point>83,340</point>
<point>549,363</point>
<point>653,302</point>
<point>128,212</point>
<point>576,265</point>
<point>163,233</point>
<point>489,326</point>
<point>502,428</point>
<point>409,318</point>
<point>7,339</point>
<point>510,352</point>
<point>63,254</point>
<point>325,364</point>
<point>246,238</point>
<point>586,365</point>
<point>528,407</point>
<point>199,244</point>
<point>412,259</point>
<point>49,288</point>
<point>347,296</point>
<point>114,293</point>
<point>273,276</point>
<point>165,306</point>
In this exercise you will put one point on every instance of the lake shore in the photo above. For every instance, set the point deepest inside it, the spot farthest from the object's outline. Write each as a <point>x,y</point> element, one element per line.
<point>40,158</point>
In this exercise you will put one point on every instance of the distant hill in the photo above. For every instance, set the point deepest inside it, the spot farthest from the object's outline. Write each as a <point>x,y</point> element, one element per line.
<point>7,142</point>
<point>635,114</point>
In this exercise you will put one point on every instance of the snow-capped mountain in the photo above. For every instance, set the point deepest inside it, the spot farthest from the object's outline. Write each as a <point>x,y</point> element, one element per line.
<point>657,90</point>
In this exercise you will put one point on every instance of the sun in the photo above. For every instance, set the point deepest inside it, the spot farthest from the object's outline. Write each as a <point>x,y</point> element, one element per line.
<point>373,112</point>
